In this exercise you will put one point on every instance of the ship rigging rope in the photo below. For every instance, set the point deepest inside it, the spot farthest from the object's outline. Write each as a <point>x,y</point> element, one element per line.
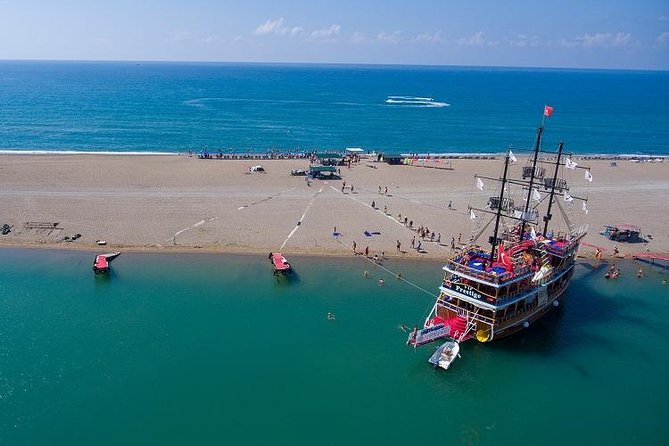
<point>397,275</point>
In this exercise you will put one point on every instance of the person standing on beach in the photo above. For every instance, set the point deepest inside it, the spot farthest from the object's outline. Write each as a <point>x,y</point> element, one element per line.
<point>598,255</point>
<point>399,246</point>
<point>450,203</point>
<point>366,251</point>
<point>413,242</point>
<point>354,246</point>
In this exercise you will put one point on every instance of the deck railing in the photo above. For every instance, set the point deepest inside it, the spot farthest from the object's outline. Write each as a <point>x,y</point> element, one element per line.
<point>469,315</point>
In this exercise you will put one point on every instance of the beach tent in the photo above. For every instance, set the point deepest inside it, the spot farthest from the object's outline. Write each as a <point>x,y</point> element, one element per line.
<point>354,151</point>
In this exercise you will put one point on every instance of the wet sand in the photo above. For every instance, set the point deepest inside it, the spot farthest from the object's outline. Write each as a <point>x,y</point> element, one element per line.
<point>169,203</point>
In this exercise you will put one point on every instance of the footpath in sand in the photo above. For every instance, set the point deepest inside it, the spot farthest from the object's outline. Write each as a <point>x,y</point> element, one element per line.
<point>170,203</point>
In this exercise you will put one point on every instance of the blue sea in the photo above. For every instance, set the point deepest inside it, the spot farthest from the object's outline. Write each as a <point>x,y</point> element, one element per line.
<point>210,349</point>
<point>174,107</point>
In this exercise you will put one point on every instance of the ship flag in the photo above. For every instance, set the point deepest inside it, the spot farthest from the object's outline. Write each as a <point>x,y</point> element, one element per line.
<point>479,184</point>
<point>535,194</point>
<point>567,197</point>
<point>472,215</point>
<point>585,208</point>
<point>548,111</point>
<point>569,164</point>
<point>512,157</point>
<point>588,176</point>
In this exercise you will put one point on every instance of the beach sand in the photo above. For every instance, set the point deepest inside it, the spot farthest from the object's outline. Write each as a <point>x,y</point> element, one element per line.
<point>169,203</point>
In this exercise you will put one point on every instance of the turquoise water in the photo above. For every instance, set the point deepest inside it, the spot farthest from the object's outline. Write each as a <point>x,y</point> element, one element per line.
<point>210,349</point>
<point>170,107</point>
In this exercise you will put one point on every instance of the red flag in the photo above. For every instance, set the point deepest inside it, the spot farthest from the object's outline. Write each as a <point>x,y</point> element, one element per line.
<point>548,111</point>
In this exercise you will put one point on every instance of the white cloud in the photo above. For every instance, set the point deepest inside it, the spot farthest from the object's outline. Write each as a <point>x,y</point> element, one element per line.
<point>662,39</point>
<point>394,38</point>
<point>357,37</point>
<point>210,39</point>
<point>329,32</point>
<point>477,39</point>
<point>428,37</point>
<point>598,40</point>
<point>272,27</point>
<point>524,41</point>
<point>296,31</point>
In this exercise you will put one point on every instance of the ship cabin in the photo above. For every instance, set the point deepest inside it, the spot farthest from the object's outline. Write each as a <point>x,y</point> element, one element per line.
<point>490,293</point>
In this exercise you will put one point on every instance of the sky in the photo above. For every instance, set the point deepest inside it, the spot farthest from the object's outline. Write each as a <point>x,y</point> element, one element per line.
<point>541,33</point>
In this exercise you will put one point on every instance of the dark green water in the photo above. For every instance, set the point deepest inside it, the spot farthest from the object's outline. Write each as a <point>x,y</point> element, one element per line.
<point>204,349</point>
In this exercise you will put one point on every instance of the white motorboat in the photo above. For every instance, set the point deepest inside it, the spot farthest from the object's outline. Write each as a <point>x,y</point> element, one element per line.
<point>445,354</point>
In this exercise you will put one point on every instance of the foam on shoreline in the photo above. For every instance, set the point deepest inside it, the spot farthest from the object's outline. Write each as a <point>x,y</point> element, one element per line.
<point>293,155</point>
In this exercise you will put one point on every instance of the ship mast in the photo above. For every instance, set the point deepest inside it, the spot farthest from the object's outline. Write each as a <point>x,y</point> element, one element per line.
<point>529,190</point>
<point>493,239</point>
<point>548,215</point>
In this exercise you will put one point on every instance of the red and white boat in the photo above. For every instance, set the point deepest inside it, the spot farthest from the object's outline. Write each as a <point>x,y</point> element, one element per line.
<point>280,263</point>
<point>101,264</point>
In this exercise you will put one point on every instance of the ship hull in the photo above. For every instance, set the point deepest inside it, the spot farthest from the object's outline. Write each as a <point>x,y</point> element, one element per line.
<point>487,325</point>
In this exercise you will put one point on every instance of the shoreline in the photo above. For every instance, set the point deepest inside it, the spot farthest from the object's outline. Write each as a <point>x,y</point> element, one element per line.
<point>182,204</point>
<point>251,252</point>
<point>272,154</point>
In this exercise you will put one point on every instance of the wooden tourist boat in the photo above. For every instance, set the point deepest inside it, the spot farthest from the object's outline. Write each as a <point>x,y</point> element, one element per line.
<point>489,294</point>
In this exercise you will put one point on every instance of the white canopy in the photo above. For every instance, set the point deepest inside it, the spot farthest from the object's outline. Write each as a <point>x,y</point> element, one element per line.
<point>354,150</point>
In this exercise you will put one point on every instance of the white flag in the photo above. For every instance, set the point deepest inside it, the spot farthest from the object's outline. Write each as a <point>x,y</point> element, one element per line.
<point>533,234</point>
<point>472,215</point>
<point>569,164</point>
<point>585,207</point>
<point>588,176</point>
<point>512,157</point>
<point>535,194</point>
<point>479,184</point>
<point>567,197</point>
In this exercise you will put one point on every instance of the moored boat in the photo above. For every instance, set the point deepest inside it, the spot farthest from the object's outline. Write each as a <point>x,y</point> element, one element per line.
<point>101,264</point>
<point>491,293</point>
<point>280,263</point>
<point>444,356</point>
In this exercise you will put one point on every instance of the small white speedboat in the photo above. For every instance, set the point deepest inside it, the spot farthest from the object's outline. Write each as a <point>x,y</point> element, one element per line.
<point>445,354</point>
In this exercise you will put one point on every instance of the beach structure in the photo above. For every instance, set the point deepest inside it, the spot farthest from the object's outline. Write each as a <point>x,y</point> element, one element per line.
<point>622,233</point>
<point>491,293</point>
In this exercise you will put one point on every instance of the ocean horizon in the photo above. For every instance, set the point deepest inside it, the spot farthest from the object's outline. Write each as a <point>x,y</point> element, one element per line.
<point>172,107</point>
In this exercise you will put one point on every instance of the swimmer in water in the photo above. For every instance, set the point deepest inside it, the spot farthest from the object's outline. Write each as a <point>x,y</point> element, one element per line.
<point>331,317</point>
<point>381,282</point>
<point>366,274</point>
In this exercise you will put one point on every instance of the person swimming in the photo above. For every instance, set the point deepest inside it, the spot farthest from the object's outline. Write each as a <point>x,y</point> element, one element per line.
<point>331,316</point>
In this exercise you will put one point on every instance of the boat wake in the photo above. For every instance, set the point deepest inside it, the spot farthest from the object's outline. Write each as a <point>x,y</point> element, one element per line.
<point>414,101</point>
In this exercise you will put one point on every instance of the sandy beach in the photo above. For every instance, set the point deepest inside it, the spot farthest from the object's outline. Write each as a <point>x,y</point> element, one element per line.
<point>168,203</point>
